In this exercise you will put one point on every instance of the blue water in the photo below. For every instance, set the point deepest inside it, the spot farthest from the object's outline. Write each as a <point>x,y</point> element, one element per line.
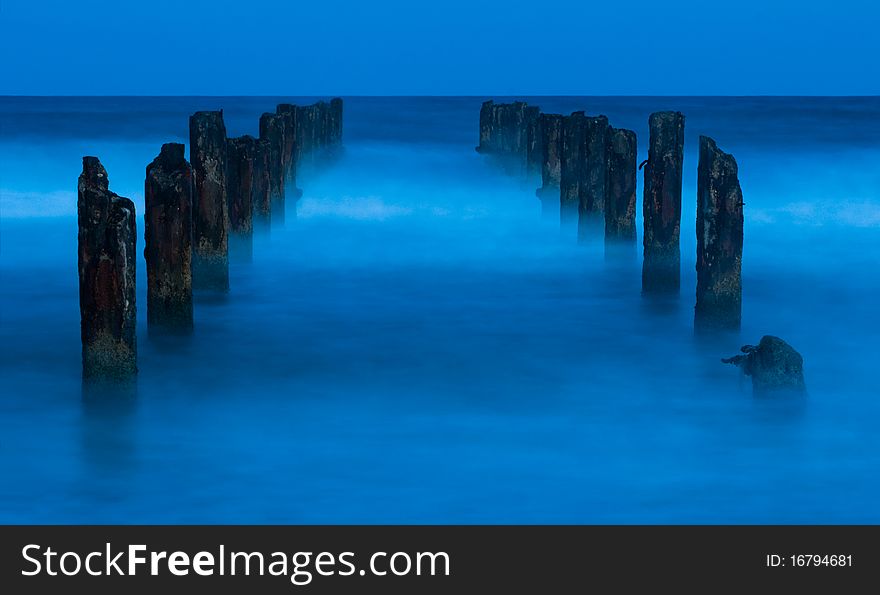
<point>418,346</point>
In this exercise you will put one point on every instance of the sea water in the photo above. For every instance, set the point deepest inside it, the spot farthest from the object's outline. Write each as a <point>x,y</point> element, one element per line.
<point>415,344</point>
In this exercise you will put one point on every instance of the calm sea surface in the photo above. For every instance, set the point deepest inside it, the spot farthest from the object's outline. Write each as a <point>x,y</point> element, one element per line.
<point>417,346</point>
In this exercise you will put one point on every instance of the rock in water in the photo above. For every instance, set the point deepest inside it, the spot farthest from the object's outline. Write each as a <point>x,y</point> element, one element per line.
<point>107,240</point>
<point>594,171</point>
<point>570,177</point>
<point>168,199</point>
<point>551,165</point>
<point>719,239</point>
<point>773,365</point>
<point>207,149</point>
<point>620,201</point>
<point>241,154</point>
<point>272,131</point>
<point>661,267</point>
<point>262,196</point>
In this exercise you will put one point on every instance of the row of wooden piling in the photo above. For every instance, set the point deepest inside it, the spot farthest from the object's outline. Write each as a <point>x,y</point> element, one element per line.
<point>588,172</point>
<point>191,209</point>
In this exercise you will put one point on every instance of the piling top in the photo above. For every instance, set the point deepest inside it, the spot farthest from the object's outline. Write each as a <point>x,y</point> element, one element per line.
<point>621,140</point>
<point>93,173</point>
<point>668,117</point>
<point>285,108</point>
<point>208,117</point>
<point>172,153</point>
<point>708,146</point>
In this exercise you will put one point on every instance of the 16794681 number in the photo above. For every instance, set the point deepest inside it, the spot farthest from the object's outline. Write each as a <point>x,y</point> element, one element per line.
<point>821,559</point>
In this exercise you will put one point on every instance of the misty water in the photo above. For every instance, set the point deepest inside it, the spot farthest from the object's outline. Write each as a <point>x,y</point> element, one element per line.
<point>416,345</point>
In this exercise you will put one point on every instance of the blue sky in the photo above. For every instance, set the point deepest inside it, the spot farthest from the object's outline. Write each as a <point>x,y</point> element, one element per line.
<point>453,47</point>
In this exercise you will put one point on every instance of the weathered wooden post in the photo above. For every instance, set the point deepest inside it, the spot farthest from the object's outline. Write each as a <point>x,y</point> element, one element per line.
<point>336,127</point>
<point>488,132</point>
<point>551,164</point>
<point>661,267</point>
<point>289,150</point>
<point>240,182</point>
<point>207,148</point>
<point>272,131</point>
<point>594,171</point>
<point>620,200</point>
<point>534,140</point>
<point>262,196</point>
<point>719,239</point>
<point>106,246</point>
<point>242,154</point>
<point>573,133</point>
<point>168,200</point>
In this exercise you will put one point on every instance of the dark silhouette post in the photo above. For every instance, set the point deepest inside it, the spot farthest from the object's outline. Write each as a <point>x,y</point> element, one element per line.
<point>106,248</point>
<point>207,148</point>
<point>661,267</point>
<point>719,239</point>
<point>168,199</point>
<point>620,200</point>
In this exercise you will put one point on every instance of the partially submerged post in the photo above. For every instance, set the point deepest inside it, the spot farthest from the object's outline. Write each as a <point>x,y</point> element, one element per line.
<point>336,126</point>
<point>106,248</point>
<point>168,199</point>
<point>262,195</point>
<point>509,133</point>
<point>551,164</point>
<point>289,151</point>
<point>272,131</point>
<point>573,132</point>
<point>241,153</point>
<point>594,172</point>
<point>719,239</point>
<point>662,203</point>
<point>207,148</point>
<point>620,200</point>
<point>534,140</point>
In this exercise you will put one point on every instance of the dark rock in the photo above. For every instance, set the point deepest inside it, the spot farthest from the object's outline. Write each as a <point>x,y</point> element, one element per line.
<point>620,201</point>
<point>551,164</point>
<point>661,269</point>
<point>487,128</point>
<point>594,174</point>
<point>773,365</point>
<point>719,239</point>
<point>241,154</point>
<point>262,196</point>
<point>272,131</point>
<point>207,137</point>
<point>168,199</point>
<point>106,246</point>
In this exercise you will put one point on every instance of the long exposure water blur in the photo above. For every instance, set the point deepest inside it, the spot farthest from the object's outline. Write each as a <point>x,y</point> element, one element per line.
<point>415,344</point>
